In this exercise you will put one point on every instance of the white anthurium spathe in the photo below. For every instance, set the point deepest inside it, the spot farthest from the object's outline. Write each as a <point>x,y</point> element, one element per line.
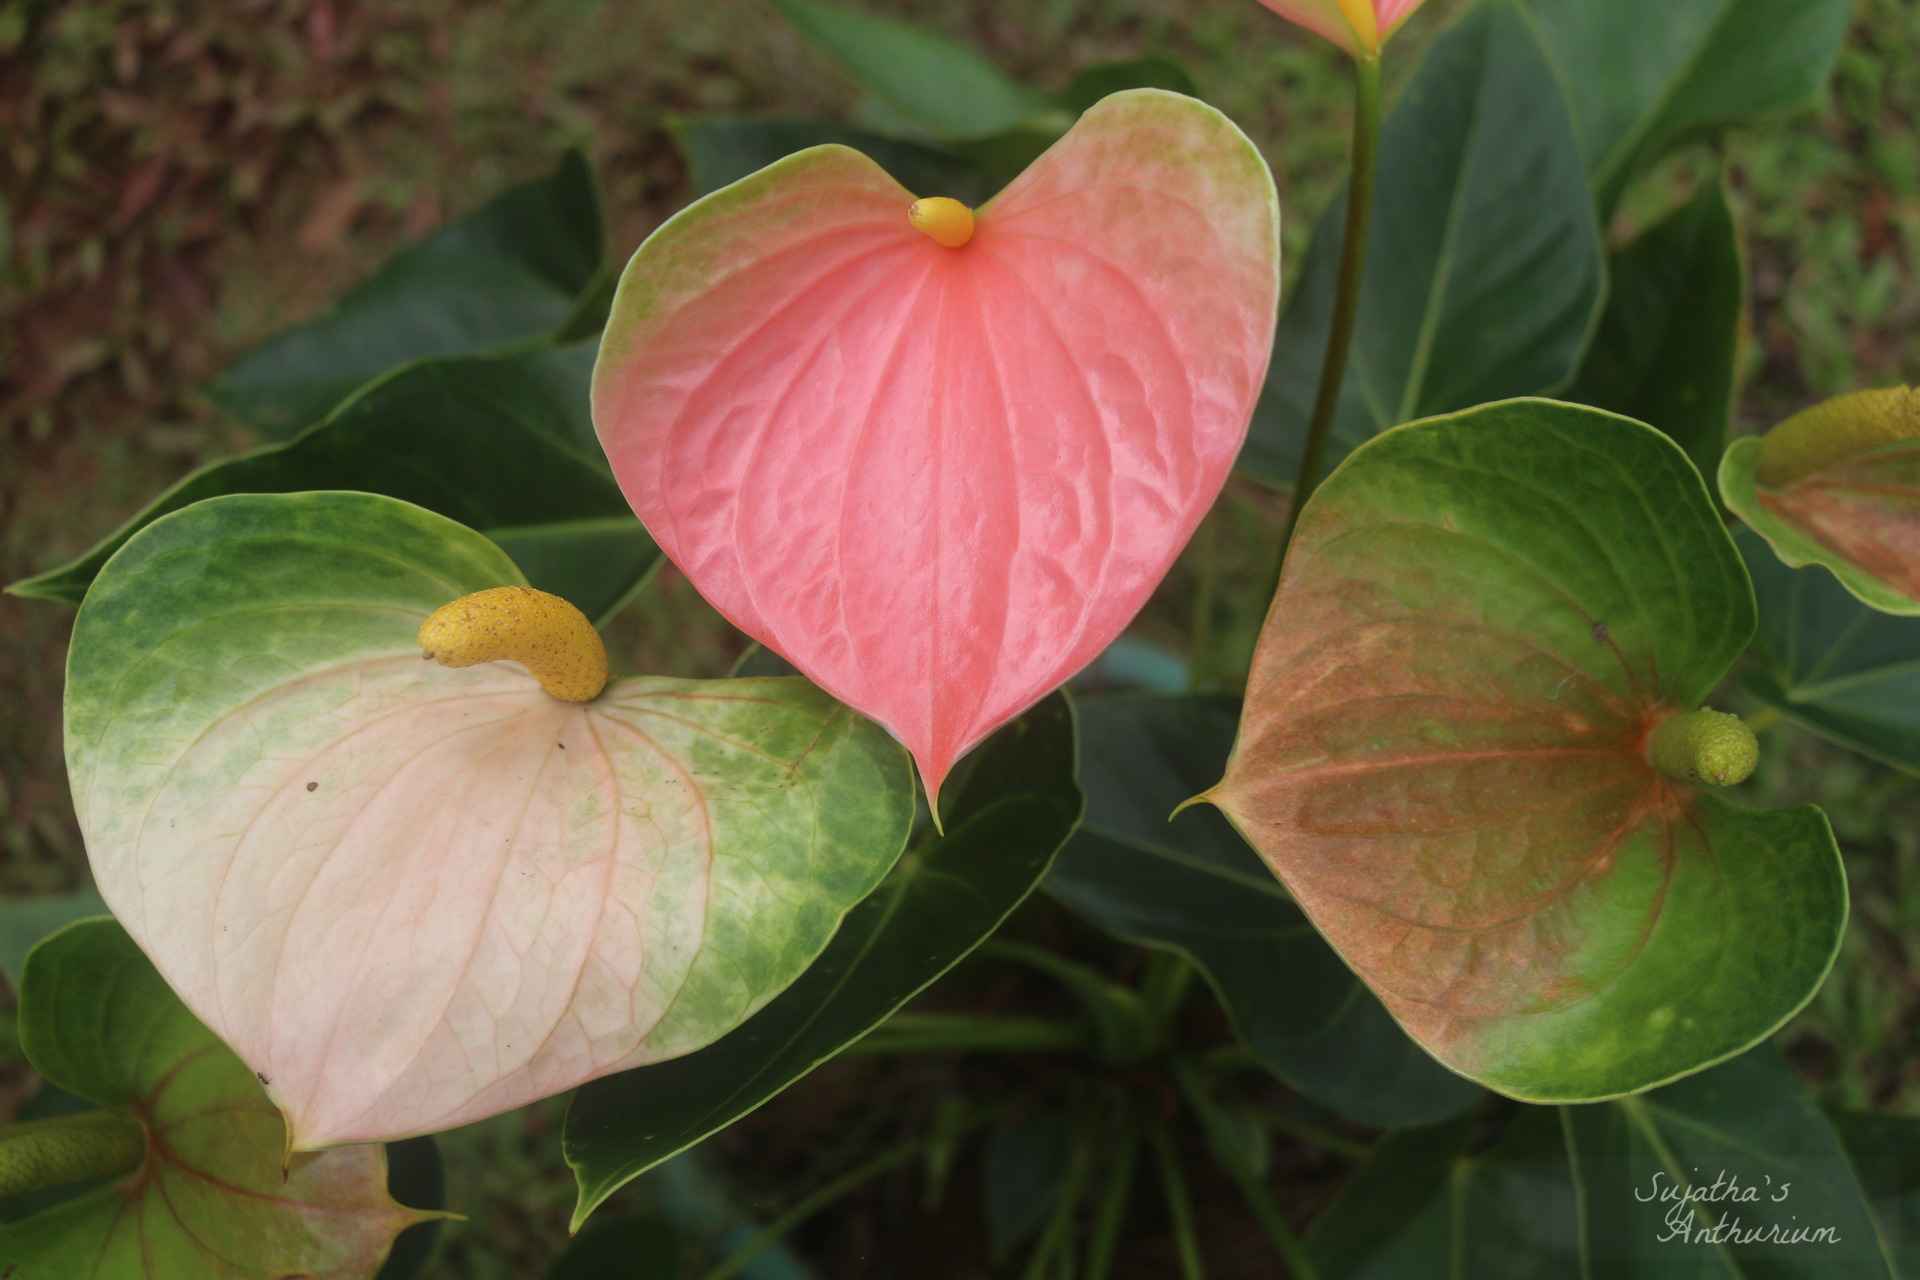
<point>410,896</point>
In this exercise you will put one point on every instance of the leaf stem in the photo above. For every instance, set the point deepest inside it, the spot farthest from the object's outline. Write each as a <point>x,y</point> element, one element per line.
<point>1164,985</point>
<point>1173,1183</point>
<point>1113,1208</point>
<point>966,1033</point>
<point>1346,303</point>
<point>852,1180</point>
<point>1123,1024</point>
<point>37,1154</point>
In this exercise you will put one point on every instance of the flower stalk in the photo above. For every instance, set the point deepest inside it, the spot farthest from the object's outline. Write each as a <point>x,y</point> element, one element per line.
<point>1346,303</point>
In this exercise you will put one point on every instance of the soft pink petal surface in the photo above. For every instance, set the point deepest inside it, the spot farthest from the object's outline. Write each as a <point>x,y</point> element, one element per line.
<point>1324,18</point>
<point>941,481</point>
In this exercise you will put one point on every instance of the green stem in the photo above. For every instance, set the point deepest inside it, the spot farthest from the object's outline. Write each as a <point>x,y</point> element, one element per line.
<point>74,1148</point>
<point>1346,303</point>
<point>1313,1135</point>
<point>966,1033</point>
<point>1173,1183</point>
<point>848,1182</point>
<point>1058,1238</point>
<point>1112,1212</point>
<point>1168,976</point>
<point>1123,1027</point>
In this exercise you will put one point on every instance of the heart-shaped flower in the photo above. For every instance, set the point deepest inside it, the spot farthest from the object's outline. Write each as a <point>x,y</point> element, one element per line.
<point>1361,27</point>
<point>940,462</point>
<point>409,896</point>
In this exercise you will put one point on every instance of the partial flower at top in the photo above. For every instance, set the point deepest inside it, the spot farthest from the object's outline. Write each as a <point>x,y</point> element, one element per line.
<point>1361,27</point>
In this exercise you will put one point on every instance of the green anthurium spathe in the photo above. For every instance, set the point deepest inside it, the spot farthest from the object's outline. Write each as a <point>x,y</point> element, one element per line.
<point>410,896</point>
<point>211,1191</point>
<point>1473,749</point>
<point>1838,485</point>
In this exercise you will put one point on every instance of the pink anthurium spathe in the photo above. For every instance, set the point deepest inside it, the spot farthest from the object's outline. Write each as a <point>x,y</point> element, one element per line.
<point>1361,27</point>
<point>939,462</point>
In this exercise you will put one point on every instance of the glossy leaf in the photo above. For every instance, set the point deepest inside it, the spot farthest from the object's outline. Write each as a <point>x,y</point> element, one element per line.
<point>1192,886</point>
<point>413,896</point>
<point>1747,1125</point>
<point>212,1198</point>
<point>1472,291</point>
<point>24,921</point>
<point>498,443</point>
<point>1016,803</point>
<point>1443,756</point>
<point>1665,352</point>
<point>937,85</point>
<point>1831,664</point>
<point>1855,512</point>
<point>1430,1194</point>
<point>941,481</point>
<point>511,271</point>
<point>1645,75</point>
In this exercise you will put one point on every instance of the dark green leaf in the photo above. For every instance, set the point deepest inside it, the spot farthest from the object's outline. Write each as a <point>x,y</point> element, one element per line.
<point>1096,82</point>
<point>415,1175</point>
<point>1748,1127</point>
<point>1598,1191</point>
<point>633,1245</point>
<point>1431,1203</point>
<point>1832,664</point>
<point>509,272</point>
<point>1643,75</point>
<point>499,442</point>
<point>24,921</point>
<point>1484,273</point>
<point>1023,1174</point>
<point>946,895</point>
<point>1193,886</point>
<point>941,87</point>
<point>1667,341</point>
<point>720,150</point>
<point>1885,1151</point>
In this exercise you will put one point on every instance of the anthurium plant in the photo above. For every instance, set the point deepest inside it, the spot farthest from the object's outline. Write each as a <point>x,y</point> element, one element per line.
<point>928,406</point>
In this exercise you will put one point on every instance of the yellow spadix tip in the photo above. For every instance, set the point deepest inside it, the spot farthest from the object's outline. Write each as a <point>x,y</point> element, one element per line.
<point>543,633</point>
<point>942,219</point>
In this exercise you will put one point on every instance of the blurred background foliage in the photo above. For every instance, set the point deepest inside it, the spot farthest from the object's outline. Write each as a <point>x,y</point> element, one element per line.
<point>181,178</point>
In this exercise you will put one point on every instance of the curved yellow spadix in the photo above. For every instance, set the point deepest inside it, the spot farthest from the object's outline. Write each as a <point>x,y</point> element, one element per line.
<point>1365,23</point>
<point>543,633</point>
<point>942,219</point>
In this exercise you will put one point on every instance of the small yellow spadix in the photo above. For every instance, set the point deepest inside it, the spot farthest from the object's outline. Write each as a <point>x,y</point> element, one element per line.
<point>1365,23</point>
<point>543,633</point>
<point>942,220</point>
